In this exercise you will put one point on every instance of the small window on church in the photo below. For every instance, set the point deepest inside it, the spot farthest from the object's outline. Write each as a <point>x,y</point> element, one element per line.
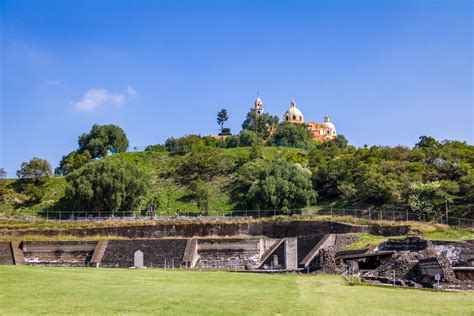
<point>294,117</point>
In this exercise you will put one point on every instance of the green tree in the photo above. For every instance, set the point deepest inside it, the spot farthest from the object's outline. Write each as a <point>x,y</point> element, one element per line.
<point>427,142</point>
<point>201,194</point>
<point>422,197</point>
<point>262,124</point>
<point>248,138</point>
<point>107,185</point>
<point>72,161</point>
<point>103,139</point>
<point>222,117</point>
<point>276,185</point>
<point>3,173</point>
<point>37,170</point>
<point>189,143</point>
<point>290,135</point>
<point>156,148</point>
<point>226,132</point>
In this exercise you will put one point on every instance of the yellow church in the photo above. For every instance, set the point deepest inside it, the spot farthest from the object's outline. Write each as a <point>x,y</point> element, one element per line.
<point>320,132</point>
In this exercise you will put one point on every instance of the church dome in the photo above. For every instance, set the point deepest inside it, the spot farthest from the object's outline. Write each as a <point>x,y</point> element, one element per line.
<point>294,111</point>
<point>327,124</point>
<point>293,114</point>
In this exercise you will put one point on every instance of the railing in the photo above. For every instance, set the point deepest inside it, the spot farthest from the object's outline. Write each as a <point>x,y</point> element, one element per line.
<point>370,214</point>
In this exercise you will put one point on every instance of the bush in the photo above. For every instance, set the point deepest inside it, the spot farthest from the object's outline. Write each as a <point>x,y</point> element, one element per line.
<point>276,185</point>
<point>156,148</point>
<point>185,144</point>
<point>107,185</point>
<point>201,194</point>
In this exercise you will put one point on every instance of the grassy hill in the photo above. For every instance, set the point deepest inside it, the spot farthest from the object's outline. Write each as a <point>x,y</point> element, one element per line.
<point>377,176</point>
<point>170,176</point>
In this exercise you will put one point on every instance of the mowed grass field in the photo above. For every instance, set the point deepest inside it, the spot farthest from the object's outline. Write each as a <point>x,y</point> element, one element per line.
<point>45,290</point>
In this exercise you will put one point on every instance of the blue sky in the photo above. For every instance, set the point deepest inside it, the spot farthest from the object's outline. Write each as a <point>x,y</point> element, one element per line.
<point>385,71</point>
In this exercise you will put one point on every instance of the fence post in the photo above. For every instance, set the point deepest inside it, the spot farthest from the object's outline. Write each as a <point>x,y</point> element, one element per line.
<point>370,217</point>
<point>406,211</point>
<point>393,215</point>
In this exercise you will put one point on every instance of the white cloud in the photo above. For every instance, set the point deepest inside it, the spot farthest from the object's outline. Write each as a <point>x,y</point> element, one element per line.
<point>95,98</point>
<point>53,82</point>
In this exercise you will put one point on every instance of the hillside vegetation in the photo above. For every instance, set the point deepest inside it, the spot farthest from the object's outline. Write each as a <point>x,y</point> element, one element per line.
<point>194,174</point>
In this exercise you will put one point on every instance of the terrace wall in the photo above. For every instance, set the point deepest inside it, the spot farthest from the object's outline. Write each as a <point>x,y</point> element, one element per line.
<point>271,229</point>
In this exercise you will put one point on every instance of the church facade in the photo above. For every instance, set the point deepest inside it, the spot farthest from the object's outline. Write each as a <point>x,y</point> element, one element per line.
<point>319,131</point>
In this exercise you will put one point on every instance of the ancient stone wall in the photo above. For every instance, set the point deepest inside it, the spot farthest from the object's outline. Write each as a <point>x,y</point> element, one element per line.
<point>58,253</point>
<point>6,255</point>
<point>271,229</point>
<point>157,253</point>
<point>228,253</point>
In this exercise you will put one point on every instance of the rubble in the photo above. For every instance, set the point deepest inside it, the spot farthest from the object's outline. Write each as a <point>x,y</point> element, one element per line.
<point>411,262</point>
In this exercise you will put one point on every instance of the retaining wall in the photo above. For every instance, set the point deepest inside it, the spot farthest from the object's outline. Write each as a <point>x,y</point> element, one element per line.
<point>58,253</point>
<point>271,229</point>
<point>156,253</point>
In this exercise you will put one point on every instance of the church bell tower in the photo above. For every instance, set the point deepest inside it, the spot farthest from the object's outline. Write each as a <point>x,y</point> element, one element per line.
<point>259,106</point>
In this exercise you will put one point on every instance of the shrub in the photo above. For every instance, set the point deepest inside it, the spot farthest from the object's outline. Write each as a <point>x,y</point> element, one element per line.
<point>107,185</point>
<point>276,185</point>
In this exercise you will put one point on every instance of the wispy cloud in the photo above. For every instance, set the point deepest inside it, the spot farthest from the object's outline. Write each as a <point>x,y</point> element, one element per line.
<point>53,82</point>
<point>96,98</point>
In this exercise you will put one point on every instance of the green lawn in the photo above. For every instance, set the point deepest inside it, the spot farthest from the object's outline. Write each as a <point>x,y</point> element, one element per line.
<point>41,290</point>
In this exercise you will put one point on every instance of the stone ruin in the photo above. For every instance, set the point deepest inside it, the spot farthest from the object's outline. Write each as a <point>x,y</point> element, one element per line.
<point>414,262</point>
<point>410,262</point>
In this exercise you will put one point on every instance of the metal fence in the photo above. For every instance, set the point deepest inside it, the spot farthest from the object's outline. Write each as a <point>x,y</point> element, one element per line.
<point>370,214</point>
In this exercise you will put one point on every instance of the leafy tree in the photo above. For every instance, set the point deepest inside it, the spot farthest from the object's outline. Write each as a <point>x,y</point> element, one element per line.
<point>103,139</point>
<point>422,197</point>
<point>3,173</point>
<point>222,117</point>
<point>262,124</point>
<point>290,135</point>
<point>36,169</point>
<point>107,185</point>
<point>427,142</point>
<point>226,131</point>
<point>185,144</point>
<point>276,185</point>
<point>157,148</point>
<point>248,138</point>
<point>233,141</point>
<point>201,194</point>
<point>72,161</point>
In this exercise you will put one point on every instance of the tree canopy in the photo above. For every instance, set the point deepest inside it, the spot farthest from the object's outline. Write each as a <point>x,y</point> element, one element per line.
<point>36,169</point>
<point>276,184</point>
<point>103,139</point>
<point>107,185</point>
<point>290,135</point>
<point>222,117</point>
<point>261,124</point>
